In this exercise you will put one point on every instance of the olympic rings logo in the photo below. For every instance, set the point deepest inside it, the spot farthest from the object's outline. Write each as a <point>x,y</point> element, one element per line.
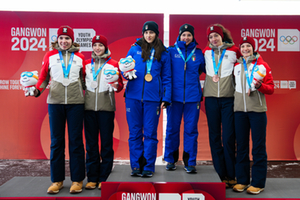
<point>288,39</point>
<point>53,38</point>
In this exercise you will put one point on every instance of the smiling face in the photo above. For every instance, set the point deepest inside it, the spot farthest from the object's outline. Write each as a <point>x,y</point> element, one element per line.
<point>149,36</point>
<point>187,37</point>
<point>64,42</point>
<point>215,39</point>
<point>246,50</point>
<point>98,48</point>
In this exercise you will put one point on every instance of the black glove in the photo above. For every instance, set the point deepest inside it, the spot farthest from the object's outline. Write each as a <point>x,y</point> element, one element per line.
<point>166,104</point>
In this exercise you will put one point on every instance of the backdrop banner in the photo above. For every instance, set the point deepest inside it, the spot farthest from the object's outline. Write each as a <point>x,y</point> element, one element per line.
<point>277,41</point>
<point>25,38</point>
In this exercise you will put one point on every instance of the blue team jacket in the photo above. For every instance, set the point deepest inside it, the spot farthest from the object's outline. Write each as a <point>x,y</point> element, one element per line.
<point>159,89</point>
<point>186,85</point>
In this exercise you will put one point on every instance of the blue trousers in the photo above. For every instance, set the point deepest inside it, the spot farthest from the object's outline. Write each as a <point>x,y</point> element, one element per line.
<point>257,122</point>
<point>220,119</point>
<point>73,114</point>
<point>95,121</point>
<point>190,113</point>
<point>142,119</point>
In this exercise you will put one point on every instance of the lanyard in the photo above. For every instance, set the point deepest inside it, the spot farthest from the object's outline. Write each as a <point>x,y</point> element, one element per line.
<point>216,68</point>
<point>249,80</point>
<point>179,51</point>
<point>149,62</point>
<point>99,69</point>
<point>66,70</point>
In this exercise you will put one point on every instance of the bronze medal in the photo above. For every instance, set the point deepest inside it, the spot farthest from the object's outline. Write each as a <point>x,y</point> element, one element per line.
<point>148,77</point>
<point>249,91</point>
<point>215,78</point>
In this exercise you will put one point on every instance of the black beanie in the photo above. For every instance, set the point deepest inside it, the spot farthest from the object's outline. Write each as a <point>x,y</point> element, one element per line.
<point>186,27</point>
<point>151,25</point>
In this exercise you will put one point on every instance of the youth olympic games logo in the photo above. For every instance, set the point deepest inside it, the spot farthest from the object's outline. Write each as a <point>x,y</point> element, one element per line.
<point>288,40</point>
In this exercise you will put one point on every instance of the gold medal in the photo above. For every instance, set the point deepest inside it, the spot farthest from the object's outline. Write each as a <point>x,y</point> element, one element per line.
<point>148,77</point>
<point>215,78</point>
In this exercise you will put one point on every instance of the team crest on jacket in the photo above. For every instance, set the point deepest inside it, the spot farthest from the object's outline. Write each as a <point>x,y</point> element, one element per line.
<point>193,58</point>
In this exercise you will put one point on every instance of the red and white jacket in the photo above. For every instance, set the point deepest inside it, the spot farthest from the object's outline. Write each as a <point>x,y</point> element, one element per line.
<point>52,69</point>
<point>256,102</point>
<point>225,86</point>
<point>100,99</point>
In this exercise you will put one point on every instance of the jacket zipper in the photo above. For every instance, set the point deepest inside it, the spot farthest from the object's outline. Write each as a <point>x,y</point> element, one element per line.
<point>96,98</point>
<point>144,83</point>
<point>218,71</point>
<point>184,78</point>
<point>66,90</point>
<point>244,91</point>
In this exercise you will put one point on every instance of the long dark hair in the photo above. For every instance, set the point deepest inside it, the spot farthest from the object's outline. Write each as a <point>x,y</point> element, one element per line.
<point>226,33</point>
<point>146,48</point>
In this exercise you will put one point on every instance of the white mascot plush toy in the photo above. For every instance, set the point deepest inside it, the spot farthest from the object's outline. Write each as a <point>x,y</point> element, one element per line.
<point>258,74</point>
<point>127,67</point>
<point>28,81</point>
<point>111,76</point>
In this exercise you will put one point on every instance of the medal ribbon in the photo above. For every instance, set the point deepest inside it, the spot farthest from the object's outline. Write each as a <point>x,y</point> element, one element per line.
<point>216,68</point>
<point>150,61</point>
<point>179,51</point>
<point>95,74</point>
<point>249,79</point>
<point>66,70</point>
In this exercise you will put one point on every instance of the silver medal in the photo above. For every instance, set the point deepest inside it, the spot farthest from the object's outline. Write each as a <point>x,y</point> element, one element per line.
<point>94,84</point>
<point>66,82</point>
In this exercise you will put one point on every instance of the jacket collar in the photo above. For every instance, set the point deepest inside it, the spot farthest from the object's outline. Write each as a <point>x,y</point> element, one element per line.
<point>105,56</point>
<point>181,44</point>
<point>250,59</point>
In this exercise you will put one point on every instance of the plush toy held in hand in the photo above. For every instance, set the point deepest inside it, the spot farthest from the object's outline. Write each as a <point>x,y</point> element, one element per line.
<point>258,74</point>
<point>28,81</point>
<point>111,76</point>
<point>127,67</point>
